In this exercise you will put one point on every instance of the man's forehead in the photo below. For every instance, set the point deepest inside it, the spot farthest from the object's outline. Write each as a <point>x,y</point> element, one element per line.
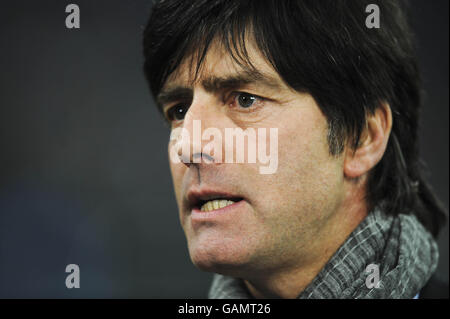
<point>216,81</point>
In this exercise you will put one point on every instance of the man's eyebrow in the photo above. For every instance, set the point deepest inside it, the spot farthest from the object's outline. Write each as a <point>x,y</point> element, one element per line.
<point>173,94</point>
<point>215,84</point>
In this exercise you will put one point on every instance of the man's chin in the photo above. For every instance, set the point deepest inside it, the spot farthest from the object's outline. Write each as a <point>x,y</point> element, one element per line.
<point>223,267</point>
<point>223,260</point>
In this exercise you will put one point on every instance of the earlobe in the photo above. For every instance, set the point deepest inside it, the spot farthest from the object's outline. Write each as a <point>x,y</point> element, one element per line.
<point>372,145</point>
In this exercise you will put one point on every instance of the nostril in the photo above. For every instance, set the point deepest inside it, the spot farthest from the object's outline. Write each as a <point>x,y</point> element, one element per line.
<point>184,159</point>
<point>202,157</point>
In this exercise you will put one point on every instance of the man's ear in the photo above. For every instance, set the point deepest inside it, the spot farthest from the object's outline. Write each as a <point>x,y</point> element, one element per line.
<point>373,142</point>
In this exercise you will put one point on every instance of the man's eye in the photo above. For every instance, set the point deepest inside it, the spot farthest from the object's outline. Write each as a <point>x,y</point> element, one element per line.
<point>246,100</point>
<point>177,112</point>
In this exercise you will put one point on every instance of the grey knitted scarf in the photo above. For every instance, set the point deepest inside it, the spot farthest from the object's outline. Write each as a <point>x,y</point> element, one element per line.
<point>402,249</point>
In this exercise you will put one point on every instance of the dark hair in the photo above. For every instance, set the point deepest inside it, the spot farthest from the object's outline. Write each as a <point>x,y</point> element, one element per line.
<point>323,48</point>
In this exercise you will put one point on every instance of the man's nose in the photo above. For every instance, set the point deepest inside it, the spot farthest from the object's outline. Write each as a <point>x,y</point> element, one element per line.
<point>200,116</point>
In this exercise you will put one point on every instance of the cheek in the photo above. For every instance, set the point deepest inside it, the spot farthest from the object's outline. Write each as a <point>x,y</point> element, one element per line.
<point>303,142</point>
<point>309,180</point>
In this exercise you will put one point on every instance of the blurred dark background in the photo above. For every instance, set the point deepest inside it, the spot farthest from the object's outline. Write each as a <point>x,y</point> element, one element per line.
<point>84,175</point>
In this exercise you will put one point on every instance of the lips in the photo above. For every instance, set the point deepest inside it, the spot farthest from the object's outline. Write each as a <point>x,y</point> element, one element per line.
<point>209,200</point>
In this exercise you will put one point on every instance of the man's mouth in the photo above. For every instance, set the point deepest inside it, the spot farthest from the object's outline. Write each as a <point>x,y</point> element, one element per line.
<point>207,201</point>
<point>216,204</point>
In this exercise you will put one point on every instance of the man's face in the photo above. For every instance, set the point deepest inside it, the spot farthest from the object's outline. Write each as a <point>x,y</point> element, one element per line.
<point>277,220</point>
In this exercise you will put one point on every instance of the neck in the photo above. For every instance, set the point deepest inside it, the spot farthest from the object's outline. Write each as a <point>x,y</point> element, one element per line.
<point>289,283</point>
